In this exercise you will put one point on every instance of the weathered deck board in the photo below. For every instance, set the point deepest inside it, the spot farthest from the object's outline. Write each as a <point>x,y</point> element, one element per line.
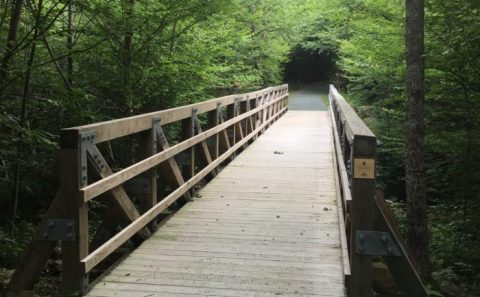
<point>267,225</point>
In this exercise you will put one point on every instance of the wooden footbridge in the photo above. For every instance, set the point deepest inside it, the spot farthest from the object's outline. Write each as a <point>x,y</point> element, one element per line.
<point>275,203</point>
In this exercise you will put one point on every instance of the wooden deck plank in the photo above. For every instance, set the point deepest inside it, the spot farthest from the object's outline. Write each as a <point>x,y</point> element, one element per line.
<point>267,225</point>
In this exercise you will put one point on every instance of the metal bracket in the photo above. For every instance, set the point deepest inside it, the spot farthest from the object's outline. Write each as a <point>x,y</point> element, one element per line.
<point>375,243</point>
<point>183,158</point>
<point>85,139</point>
<point>58,229</point>
<point>236,106</point>
<point>219,113</point>
<point>197,128</point>
<point>137,186</point>
<point>194,120</point>
<point>160,135</point>
<point>155,127</point>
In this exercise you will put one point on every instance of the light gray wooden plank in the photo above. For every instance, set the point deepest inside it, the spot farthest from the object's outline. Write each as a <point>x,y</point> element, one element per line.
<point>267,225</point>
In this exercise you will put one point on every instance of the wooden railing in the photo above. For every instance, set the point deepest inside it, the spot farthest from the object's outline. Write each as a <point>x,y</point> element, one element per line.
<point>367,224</point>
<point>86,176</point>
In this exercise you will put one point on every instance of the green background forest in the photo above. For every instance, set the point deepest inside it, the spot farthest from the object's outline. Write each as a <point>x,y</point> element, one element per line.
<point>71,62</point>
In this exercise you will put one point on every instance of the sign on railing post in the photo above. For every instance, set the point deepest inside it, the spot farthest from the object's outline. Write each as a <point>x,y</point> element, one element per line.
<point>362,212</point>
<point>369,222</point>
<point>357,175</point>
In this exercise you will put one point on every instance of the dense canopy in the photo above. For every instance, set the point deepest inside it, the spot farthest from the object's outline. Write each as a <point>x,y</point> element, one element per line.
<point>70,62</point>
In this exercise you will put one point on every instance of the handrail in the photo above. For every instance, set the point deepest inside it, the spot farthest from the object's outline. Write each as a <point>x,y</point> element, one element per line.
<point>125,174</point>
<point>366,221</point>
<point>86,175</point>
<point>355,147</point>
<point>112,129</point>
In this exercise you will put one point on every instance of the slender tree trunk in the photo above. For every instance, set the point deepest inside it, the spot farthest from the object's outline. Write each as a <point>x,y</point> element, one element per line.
<point>11,43</point>
<point>417,229</point>
<point>126,55</point>
<point>24,111</point>
<point>70,43</point>
<point>173,40</point>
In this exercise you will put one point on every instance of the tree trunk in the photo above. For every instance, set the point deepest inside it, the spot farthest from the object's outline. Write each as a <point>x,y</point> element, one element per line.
<point>417,229</point>
<point>70,43</point>
<point>24,112</point>
<point>126,55</point>
<point>11,43</point>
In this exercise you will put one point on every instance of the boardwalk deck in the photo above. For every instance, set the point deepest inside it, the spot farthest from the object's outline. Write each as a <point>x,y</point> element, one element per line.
<point>267,225</point>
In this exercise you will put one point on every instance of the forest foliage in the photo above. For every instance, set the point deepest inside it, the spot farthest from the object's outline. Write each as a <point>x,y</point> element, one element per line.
<point>70,62</point>
<point>368,39</point>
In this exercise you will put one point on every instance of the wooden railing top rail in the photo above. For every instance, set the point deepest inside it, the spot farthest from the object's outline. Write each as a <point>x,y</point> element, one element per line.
<point>105,184</point>
<point>125,174</point>
<point>354,125</point>
<point>112,129</point>
<point>232,122</point>
<point>367,226</point>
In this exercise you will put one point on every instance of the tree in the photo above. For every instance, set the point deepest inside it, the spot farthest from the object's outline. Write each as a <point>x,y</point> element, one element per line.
<point>415,172</point>
<point>11,43</point>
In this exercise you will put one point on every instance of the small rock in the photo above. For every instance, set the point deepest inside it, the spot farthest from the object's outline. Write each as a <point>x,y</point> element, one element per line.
<point>278,216</point>
<point>278,153</point>
<point>325,208</point>
<point>198,196</point>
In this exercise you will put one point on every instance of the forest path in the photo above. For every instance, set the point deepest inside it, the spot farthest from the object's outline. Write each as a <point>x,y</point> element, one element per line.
<point>309,97</point>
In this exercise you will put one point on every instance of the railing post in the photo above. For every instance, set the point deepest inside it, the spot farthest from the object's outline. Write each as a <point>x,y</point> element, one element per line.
<point>148,147</point>
<point>213,121</point>
<point>231,130</point>
<point>73,161</point>
<point>188,168</point>
<point>362,163</point>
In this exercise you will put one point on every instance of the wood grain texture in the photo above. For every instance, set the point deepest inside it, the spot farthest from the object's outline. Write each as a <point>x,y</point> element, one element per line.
<point>266,225</point>
<point>108,130</point>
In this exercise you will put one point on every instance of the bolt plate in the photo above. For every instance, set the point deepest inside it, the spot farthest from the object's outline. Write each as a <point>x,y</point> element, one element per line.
<point>137,186</point>
<point>58,229</point>
<point>375,243</point>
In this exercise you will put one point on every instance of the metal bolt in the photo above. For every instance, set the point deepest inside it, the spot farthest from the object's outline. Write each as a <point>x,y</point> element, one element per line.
<point>84,138</point>
<point>84,167</point>
<point>69,236</point>
<point>95,156</point>
<point>69,225</point>
<point>84,177</point>
<point>102,166</point>
<point>361,237</point>
<point>383,238</point>
<point>390,250</point>
<point>51,224</point>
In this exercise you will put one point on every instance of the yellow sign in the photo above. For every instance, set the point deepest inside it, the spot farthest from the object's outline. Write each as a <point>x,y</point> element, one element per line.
<point>364,168</point>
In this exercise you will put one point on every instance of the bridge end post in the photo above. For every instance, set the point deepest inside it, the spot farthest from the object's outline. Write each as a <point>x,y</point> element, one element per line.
<point>73,159</point>
<point>363,155</point>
